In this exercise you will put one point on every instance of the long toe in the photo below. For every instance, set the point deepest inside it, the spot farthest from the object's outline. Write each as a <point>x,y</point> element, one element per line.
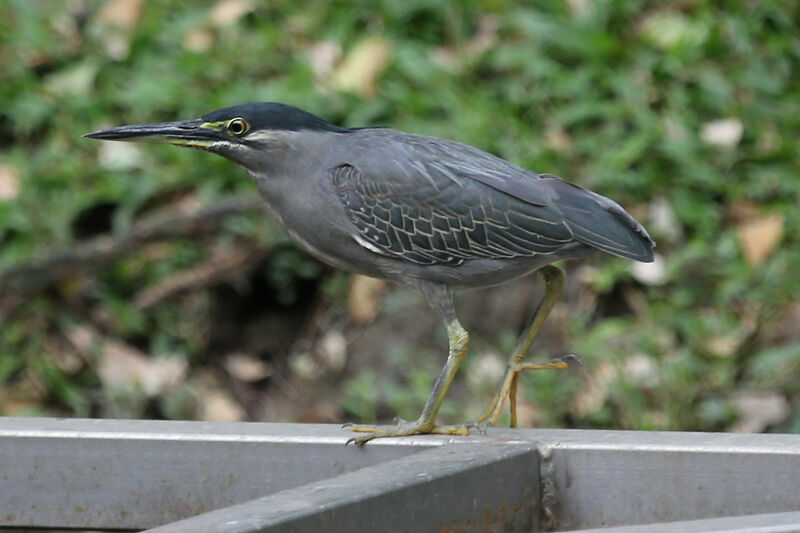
<point>405,429</point>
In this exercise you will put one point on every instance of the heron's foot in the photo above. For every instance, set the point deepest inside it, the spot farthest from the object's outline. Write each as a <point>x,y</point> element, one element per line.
<point>404,429</point>
<point>508,389</point>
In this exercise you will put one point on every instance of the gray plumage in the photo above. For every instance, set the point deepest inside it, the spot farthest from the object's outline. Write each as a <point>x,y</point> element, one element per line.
<point>413,208</point>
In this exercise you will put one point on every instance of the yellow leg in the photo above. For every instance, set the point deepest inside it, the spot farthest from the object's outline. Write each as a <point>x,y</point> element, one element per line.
<point>554,287</point>
<point>458,340</point>
<point>426,423</point>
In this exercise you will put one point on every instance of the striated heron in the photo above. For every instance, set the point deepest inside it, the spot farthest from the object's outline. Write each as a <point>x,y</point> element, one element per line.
<point>425,212</point>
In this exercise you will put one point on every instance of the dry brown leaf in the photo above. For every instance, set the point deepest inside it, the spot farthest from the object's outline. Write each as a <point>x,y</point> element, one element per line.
<point>117,44</point>
<point>22,396</point>
<point>725,345</point>
<point>217,405</point>
<point>332,350</point>
<point>247,368</point>
<point>122,13</point>
<point>455,56</point>
<point>69,32</point>
<point>558,139</point>
<point>323,57</point>
<point>117,20</point>
<point>122,365</point>
<point>361,68</point>
<point>198,40</point>
<point>758,237</point>
<point>228,12</point>
<point>759,410</point>
<point>13,405</point>
<point>364,298</point>
<point>728,343</point>
<point>9,182</point>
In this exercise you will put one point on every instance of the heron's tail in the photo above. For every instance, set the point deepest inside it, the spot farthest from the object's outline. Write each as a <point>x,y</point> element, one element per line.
<point>600,222</point>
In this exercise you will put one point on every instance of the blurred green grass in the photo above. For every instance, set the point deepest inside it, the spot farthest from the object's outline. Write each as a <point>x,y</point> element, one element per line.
<point>687,113</point>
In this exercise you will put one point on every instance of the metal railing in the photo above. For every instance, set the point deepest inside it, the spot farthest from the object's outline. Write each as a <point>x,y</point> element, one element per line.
<point>247,477</point>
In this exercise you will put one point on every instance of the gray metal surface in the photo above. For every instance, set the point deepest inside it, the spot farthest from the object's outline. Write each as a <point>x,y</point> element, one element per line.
<point>140,474</point>
<point>762,523</point>
<point>608,478</point>
<point>469,488</point>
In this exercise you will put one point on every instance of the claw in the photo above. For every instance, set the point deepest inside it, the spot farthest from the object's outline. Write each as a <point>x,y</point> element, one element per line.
<point>480,426</point>
<point>570,359</point>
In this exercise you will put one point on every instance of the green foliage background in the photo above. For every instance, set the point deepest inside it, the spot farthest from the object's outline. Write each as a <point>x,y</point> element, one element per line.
<point>613,95</point>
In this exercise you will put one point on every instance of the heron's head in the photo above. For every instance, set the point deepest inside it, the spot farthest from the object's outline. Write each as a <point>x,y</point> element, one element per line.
<point>247,134</point>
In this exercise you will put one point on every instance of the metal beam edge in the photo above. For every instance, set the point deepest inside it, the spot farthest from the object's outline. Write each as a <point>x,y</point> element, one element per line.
<point>454,488</point>
<point>761,523</point>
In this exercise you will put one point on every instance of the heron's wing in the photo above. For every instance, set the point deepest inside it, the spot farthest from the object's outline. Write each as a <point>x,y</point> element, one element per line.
<point>431,200</point>
<point>427,218</point>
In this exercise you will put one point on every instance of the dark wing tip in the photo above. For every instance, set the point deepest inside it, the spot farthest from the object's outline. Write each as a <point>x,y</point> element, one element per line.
<point>642,245</point>
<point>600,222</point>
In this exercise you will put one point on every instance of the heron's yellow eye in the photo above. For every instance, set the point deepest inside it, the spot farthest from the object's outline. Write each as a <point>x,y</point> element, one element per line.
<point>238,126</point>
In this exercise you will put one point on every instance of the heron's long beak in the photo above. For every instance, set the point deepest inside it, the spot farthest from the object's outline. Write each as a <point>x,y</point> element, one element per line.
<point>194,133</point>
